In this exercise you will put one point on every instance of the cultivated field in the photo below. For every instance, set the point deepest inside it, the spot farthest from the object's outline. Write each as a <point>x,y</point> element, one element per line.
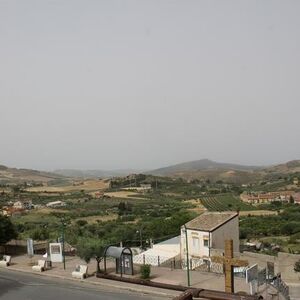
<point>225,202</point>
<point>87,185</point>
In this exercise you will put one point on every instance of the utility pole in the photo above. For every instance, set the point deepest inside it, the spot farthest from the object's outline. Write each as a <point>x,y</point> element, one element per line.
<point>63,241</point>
<point>187,256</point>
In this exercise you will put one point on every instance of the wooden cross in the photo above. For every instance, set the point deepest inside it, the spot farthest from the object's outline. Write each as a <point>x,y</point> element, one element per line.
<point>229,262</point>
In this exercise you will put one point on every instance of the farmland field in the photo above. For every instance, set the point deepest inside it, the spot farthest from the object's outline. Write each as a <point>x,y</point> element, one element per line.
<point>225,202</point>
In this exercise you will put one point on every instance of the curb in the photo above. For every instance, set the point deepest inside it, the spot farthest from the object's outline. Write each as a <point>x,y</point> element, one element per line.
<point>103,284</point>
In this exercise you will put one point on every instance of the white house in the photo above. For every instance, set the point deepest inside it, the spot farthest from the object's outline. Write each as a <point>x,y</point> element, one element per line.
<point>23,204</point>
<point>209,231</point>
<point>56,204</point>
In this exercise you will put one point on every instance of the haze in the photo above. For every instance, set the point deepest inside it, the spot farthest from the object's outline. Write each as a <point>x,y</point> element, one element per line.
<point>144,84</point>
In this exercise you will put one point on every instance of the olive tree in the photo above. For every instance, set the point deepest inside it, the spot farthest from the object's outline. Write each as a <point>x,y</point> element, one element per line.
<point>88,249</point>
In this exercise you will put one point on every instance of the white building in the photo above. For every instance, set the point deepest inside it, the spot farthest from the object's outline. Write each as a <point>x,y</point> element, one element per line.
<point>209,231</point>
<point>56,204</point>
<point>23,204</point>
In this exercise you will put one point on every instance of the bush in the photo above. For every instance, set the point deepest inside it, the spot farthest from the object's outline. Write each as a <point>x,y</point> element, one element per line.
<point>145,271</point>
<point>297,266</point>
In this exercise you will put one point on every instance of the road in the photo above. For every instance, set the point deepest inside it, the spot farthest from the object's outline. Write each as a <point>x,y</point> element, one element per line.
<point>16,285</point>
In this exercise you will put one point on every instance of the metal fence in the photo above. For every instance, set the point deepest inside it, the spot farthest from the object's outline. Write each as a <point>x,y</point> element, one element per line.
<point>195,264</point>
<point>281,287</point>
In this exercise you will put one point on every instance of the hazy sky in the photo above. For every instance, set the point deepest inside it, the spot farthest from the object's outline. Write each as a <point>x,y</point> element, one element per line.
<point>143,84</point>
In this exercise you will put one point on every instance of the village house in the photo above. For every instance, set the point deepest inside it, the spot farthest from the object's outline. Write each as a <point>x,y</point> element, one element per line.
<point>23,204</point>
<point>283,196</point>
<point>209,231</point>
<point>55,204</point>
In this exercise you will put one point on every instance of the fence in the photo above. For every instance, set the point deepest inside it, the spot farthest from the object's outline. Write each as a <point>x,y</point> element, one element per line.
<point>195,264</point>
<point>281,287</point>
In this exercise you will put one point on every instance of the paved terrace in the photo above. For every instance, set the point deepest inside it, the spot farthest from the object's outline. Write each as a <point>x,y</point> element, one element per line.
<point>158,274</point>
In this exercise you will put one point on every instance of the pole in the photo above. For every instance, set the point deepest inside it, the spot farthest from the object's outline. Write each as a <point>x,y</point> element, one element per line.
<point>63,243</point>
<point>187,257</point>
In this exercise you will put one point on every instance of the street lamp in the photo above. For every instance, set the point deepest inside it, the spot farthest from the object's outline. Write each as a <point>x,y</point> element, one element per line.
<point>187,256</point>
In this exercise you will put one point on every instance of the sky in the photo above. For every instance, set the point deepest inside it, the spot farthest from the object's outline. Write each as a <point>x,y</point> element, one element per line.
<point>144,84</point>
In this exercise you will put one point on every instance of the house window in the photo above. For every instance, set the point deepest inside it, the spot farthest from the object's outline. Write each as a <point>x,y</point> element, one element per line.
<point>205,242</point>
<point>196,244</point>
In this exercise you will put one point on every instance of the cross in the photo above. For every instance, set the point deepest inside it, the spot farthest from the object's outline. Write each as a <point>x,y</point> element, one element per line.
<point>229,262</point>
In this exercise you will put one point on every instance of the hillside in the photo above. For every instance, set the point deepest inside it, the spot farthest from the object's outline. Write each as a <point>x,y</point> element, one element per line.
<point>14,175</point>
<point>94,173</point>
<point>292,166</point>
<point>208,169</point>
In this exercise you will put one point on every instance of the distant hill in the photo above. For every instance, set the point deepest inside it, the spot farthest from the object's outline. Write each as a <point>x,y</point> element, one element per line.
<point>292,166</point>
<point>208,169</point>
<point>201,165</point>
<point>14,175</point>
<point>94,173</point>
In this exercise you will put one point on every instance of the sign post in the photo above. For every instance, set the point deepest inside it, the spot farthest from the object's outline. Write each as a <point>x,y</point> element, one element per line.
<point>30,251</point>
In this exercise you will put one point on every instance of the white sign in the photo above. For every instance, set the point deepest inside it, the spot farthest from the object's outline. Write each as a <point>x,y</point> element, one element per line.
<point>30,247</point>
<point>56,254</point>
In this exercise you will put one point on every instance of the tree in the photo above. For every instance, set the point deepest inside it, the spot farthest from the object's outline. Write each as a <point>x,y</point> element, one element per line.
<point>291,200</point>
<point>88,249</point>
<point>7,230</point>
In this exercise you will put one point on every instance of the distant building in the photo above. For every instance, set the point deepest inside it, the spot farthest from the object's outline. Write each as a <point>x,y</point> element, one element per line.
<point>145,187</point>
<point>55,204</point>
<point>209,231</point>
<point>23,204</point>
<point>295,181</point>
<point>283,196</point>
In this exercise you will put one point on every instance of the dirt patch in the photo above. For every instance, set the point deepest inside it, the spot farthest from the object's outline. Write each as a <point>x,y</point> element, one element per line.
<point>123,194</point>
<point>94,219</point>
<point>258,213</point>
<point>87,185</point>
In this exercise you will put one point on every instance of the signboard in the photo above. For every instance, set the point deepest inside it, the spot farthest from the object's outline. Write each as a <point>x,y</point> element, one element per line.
<point>56,254</point>
<point>125,264</point>
<point>252,273</point>
<point>30,247</point>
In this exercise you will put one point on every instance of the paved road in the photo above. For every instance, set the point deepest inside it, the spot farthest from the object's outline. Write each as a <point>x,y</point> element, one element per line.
<point>15,285</point>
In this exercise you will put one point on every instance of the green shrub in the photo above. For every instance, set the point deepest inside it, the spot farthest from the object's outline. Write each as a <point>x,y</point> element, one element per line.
<point>145,271</point>
<point>297,266</point>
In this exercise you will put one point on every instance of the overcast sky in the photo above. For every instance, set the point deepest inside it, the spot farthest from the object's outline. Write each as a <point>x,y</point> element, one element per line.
<point>144,84</point>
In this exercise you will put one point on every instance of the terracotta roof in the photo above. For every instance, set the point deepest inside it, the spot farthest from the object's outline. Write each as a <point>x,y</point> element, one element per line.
<point>209,221</point>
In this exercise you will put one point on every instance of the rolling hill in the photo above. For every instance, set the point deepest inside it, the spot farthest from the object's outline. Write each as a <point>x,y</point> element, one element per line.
<point>94,173</point>
<point>14,175</point>
<point>208,169</point>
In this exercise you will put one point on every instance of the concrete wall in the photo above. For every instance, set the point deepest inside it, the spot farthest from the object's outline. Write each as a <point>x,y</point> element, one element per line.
<point>228,231</point>
<point>284,263</point>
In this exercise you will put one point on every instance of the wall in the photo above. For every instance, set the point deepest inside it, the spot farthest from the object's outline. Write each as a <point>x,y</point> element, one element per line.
<point>284,263</point>
<point>229,230</point>
<point>203,251</point>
